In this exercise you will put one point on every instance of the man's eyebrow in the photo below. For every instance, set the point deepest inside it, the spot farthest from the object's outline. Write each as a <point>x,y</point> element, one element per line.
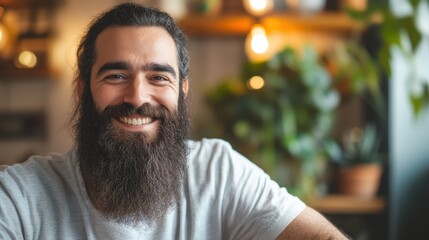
<point>114,66</point>
<point>157,67</point>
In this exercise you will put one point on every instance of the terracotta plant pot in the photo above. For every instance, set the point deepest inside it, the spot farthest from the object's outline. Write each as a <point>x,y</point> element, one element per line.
<point>360,180</point>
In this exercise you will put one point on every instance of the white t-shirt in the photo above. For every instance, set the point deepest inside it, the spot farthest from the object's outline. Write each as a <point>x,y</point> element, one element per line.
<point>225,196</point>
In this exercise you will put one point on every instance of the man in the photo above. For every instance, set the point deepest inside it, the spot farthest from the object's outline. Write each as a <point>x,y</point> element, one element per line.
<point>133,173</point>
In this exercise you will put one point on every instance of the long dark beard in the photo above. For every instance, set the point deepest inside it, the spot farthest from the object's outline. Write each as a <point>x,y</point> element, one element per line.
<point>129,178</point>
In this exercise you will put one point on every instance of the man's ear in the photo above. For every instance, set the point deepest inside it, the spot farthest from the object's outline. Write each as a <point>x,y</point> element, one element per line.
<point>185,86</point>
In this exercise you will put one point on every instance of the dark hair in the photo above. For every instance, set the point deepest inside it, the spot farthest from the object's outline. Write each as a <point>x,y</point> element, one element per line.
<point>126,14</point>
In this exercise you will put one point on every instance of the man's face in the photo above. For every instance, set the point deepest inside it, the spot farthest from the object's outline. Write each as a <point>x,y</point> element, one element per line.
<point>136,65</point>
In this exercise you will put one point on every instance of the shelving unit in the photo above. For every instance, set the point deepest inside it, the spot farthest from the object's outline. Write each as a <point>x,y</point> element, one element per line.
<point>360,218</point>
<point>343,204</point>
<point>229,25</point>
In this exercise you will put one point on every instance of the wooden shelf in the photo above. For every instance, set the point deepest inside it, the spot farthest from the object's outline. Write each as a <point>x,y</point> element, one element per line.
<point>239,25</point>
<point>8,72</point>
<point>342,204</point>
<point>13,4</point>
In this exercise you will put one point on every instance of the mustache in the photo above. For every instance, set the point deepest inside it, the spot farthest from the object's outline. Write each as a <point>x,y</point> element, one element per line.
<point>126,109</point>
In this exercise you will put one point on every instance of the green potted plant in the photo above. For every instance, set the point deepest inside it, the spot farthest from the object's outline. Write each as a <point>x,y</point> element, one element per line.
<point>285,125</point>
<point>361,164</point>
<point>356,75</point>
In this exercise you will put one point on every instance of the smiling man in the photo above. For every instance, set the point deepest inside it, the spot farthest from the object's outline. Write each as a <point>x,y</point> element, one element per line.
<point>134,158</point>
<point>133,173</point>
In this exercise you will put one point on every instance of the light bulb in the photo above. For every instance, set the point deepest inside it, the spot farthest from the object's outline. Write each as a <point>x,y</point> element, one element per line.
<point>258,39</point>
<point>257,45</point>
<point>27,59</point>
<point>256,82</point>
<point>258,7</point>
<point>3,36</point>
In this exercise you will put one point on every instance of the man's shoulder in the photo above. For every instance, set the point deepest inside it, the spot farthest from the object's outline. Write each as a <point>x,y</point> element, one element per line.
<point>208,144</point>
<point>36,166</point>
<point>45,183</point>
<point>215,153</point>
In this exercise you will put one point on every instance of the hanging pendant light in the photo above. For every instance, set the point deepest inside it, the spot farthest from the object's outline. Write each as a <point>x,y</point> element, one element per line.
<point>3,31</point>
<point>257,43</point>
<point>258,7</point>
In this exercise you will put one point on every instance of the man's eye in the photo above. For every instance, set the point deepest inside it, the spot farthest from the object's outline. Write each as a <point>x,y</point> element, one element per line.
<point>115,77</point>
<point>159,78</point>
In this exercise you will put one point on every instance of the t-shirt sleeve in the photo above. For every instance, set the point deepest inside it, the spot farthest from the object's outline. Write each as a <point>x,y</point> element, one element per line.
<point>10,224</point>
<point>255,207</point>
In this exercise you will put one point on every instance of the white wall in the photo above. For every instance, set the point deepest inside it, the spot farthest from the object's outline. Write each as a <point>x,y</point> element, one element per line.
<point>409,157</point>
<point>409,145</point>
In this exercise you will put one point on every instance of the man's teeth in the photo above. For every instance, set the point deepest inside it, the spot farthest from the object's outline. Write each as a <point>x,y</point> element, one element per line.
<point>136,121</point>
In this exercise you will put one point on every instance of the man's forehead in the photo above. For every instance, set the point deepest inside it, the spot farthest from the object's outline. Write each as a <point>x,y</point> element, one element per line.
<point>139,32</point>
<point>120,43</point>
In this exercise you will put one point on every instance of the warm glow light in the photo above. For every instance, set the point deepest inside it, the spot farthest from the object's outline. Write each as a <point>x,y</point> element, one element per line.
<point>258,39</point>
<point>3,36</point>
<point>3,32</point>
<point>27,59</point>
<point>257,45</point>
<point>258,7</point>
<point>256,82</point>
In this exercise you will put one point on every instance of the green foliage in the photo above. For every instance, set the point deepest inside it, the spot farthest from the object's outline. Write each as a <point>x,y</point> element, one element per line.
<point>393,31</point>
<point>361,146</point>
<point>285,123</point>
<point>355,74</point>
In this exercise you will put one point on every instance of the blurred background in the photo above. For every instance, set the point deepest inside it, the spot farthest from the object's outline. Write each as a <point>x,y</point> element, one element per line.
<point>329,97</point>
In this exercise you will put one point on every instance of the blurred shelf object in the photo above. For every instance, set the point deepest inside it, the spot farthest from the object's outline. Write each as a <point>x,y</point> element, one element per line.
<point>230,25</point>
<point>25,54</point>
<point>343,204</point>
<point>13,4</point>
<point>9,72</point>
<point>22,125</point>
<point>29,60</point>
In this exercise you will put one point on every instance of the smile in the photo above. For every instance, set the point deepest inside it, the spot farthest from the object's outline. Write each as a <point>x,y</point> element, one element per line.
<point>136,121</point>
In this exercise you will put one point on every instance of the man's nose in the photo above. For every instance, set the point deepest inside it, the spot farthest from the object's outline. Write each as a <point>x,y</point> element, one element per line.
<point>137,92</point>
